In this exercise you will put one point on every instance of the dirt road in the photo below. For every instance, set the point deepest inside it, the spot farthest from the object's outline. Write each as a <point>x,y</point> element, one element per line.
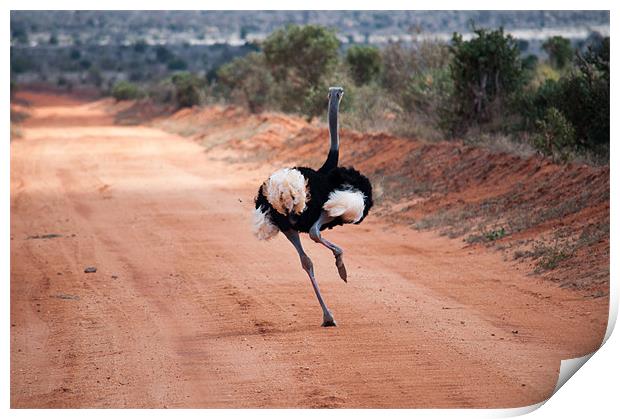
<point>187,309</point>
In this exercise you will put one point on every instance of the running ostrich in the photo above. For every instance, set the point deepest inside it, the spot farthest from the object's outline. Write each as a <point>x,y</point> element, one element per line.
<point>303,200</point>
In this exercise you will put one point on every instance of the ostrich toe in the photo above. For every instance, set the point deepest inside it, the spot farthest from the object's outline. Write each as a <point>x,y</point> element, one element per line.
<point>342,270</point>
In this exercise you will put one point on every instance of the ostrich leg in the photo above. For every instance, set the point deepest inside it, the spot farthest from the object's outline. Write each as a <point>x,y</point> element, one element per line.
<point>306,263</point>
<point>315,234</point>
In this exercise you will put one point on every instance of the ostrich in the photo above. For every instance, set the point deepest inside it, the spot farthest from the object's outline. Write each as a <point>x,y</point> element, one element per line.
<point>303,200</point>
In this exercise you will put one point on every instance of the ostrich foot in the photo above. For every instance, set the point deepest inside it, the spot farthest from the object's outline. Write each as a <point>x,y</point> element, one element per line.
<point>341,268</point>
<point>328,320</point>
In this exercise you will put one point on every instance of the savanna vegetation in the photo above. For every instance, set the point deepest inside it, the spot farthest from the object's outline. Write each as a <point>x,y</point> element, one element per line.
<point>468,89</point>
<point>482,89</point>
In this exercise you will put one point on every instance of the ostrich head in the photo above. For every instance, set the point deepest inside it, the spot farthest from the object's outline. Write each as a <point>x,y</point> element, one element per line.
<point>335,96</point>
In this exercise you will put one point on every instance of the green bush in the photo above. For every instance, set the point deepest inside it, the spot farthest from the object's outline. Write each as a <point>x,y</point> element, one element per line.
<point>188,89</point>
<point>530,62</point>
<point>299,59</point>
<point>486,72</point>
<point>247,80</point>
<point>400,63</point>
<point>582,96</point>
<point>365,108</point>
<point>429,93</point>
<point>364,63</point>
<point>309,51</point>
<point>556,135</point>
<point>559,51</point>
<point>163,91</point>
<point>125,90</point>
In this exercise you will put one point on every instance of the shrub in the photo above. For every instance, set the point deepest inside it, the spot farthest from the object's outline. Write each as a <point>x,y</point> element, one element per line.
<point>247,80</point>
<point>399,62</point>
<point>397,66</point>
<point>559,51</point>
<point>187,89</point>
<point>486,71</point>
<point>125,90</point>
<point>364,63</point>
<point>163,91</point>
<point>417,79</point>
<point>556,135</point>
<point>301,51</point>
<point>299,58</point>
<point>368,108</point>
<point>428,94</point>
<point>586,96</point>
<point>530,62</point>
<point>582,96</point>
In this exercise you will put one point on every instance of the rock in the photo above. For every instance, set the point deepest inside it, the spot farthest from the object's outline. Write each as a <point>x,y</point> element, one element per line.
<point>90,270</point>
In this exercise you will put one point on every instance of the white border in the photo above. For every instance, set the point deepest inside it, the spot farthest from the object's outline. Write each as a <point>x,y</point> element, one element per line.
<point>594,389</point>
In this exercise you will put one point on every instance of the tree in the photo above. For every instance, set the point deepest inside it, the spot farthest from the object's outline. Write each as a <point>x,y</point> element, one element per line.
<point>399,62</point>
<point>486,71</point>
<point>299,58</point>
<point>559,51</point>
<point>555,135</point>
<point>582,96</point>
<point>364,63</point>
<point>124,90</point>
<point>530,62</point>
<point>305,51</point>
<point>187,89</point>
<point>247,79</point>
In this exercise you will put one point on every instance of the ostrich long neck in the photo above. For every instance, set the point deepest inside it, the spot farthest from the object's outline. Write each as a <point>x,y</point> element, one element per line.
<point>332,157</point>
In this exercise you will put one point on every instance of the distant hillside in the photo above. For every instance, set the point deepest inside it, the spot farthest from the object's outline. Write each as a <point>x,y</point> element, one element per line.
<point>235,27</point>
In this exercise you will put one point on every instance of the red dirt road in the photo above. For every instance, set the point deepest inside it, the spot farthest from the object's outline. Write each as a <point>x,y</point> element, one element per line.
<point>187,309</point>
